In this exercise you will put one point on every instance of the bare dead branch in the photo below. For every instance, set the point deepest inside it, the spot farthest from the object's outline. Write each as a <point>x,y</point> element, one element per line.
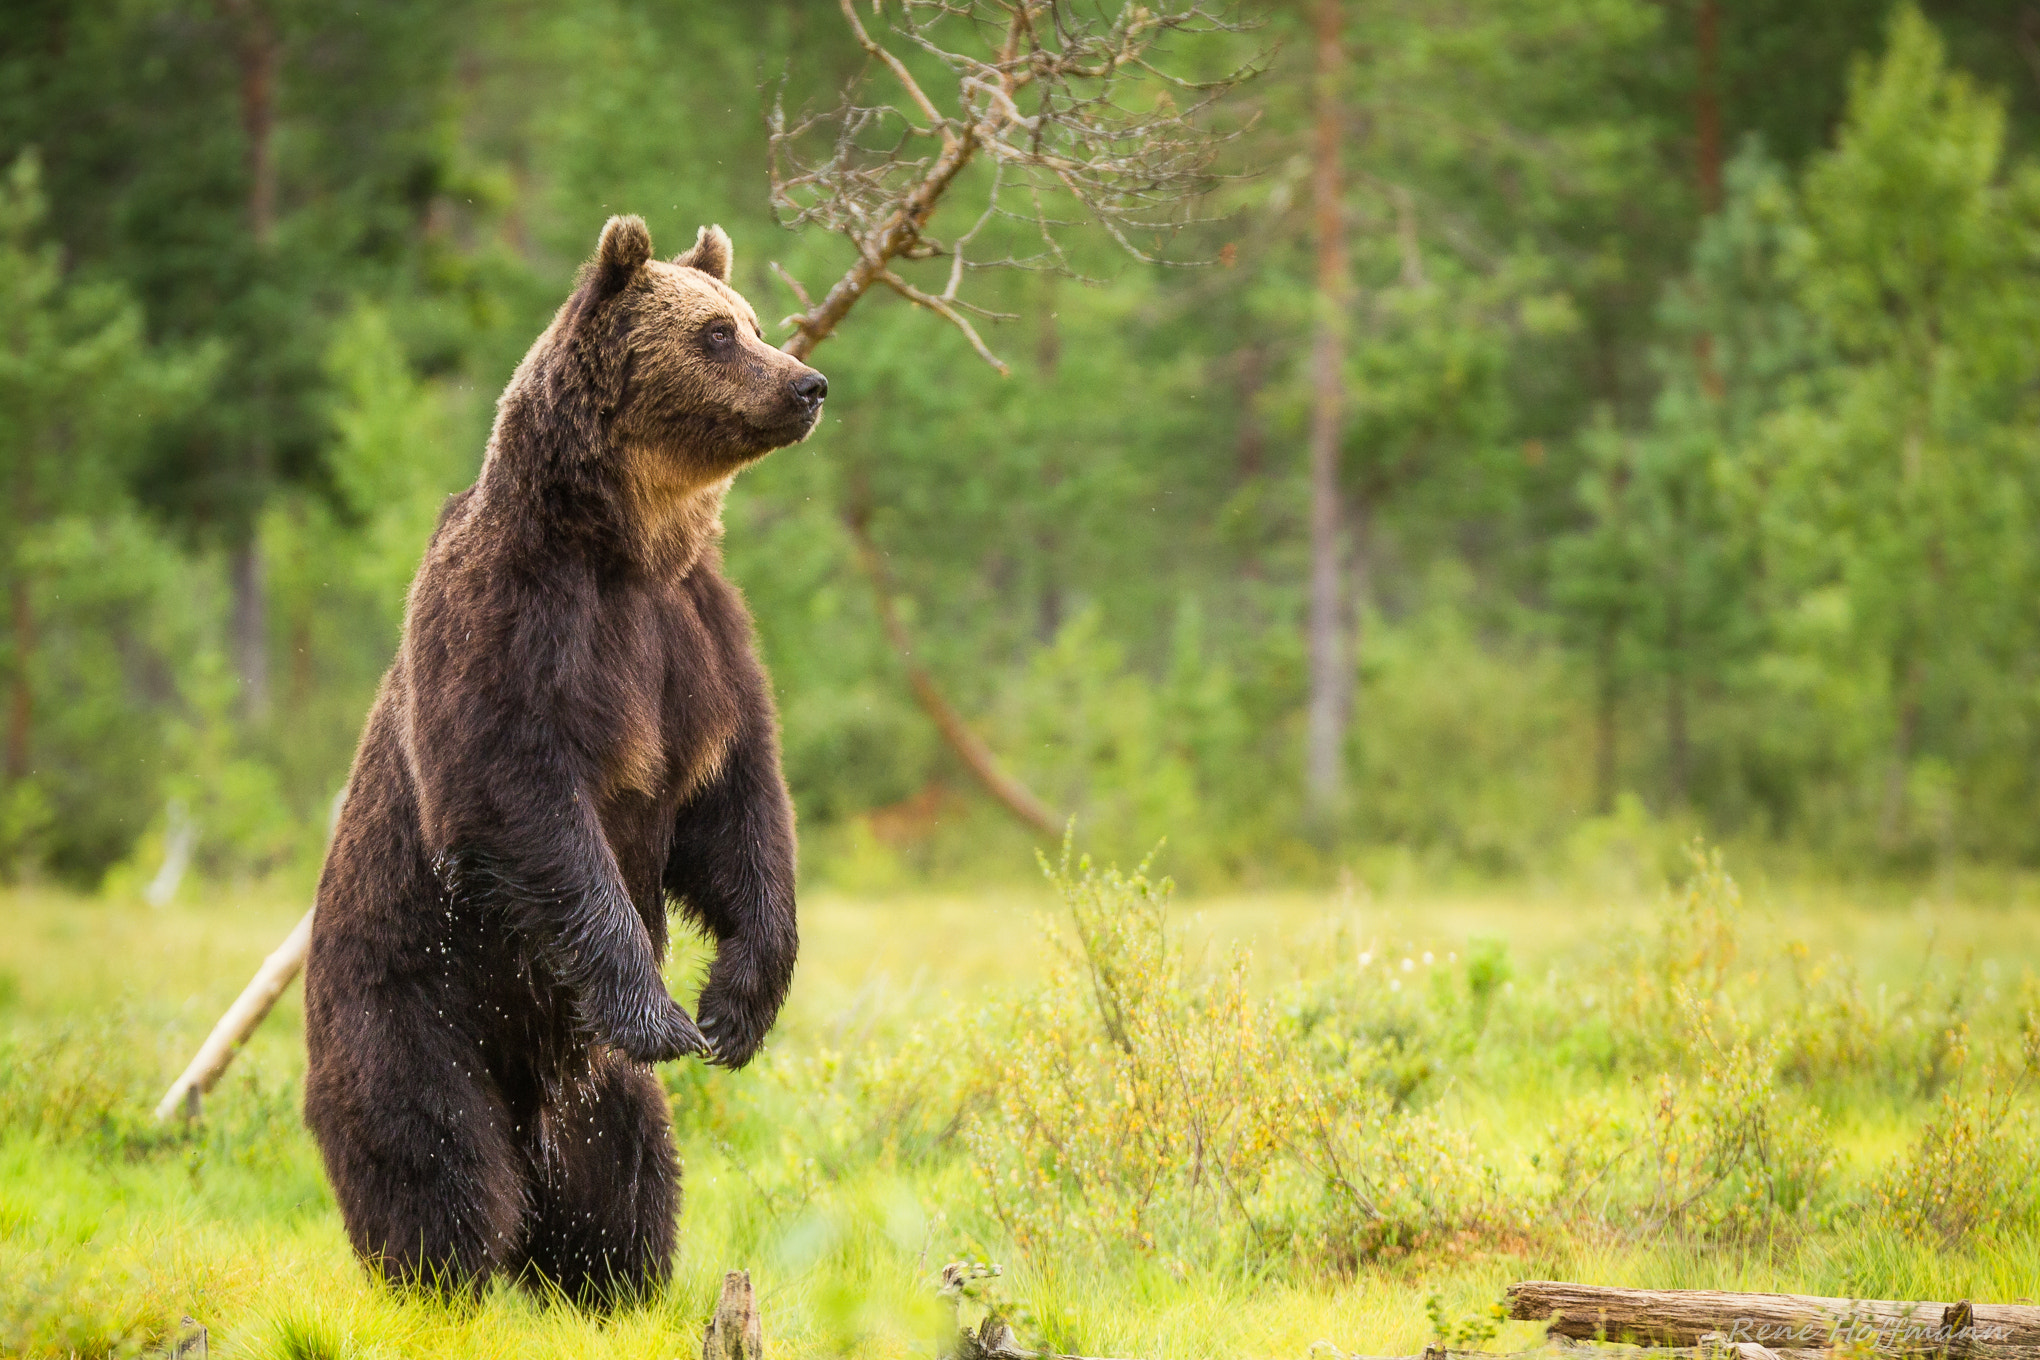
<point>941,308</point>
<point>898,68</point>
<point>1070,103</point>
<point>794,286</point>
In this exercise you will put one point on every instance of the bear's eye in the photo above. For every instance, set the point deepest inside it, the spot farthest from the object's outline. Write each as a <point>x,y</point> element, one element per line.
<point>720,333</point>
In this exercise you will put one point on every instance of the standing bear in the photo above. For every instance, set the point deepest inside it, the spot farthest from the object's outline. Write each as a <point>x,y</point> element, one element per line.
<point>576,729</point>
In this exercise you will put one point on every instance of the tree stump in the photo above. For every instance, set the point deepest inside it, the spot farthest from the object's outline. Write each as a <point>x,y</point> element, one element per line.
<point>734,1332</point>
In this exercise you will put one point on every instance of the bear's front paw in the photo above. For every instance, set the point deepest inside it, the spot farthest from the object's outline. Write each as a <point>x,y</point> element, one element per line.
<point>663,1036</point>
<point>731,1042</point>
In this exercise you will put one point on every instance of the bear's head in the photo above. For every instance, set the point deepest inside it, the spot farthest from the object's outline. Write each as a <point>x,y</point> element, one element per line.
<point>700,393</point>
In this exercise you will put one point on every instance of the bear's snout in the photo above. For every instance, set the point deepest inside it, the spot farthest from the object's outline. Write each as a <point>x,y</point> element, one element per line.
<point>809,389</point>
<point>806,389</point>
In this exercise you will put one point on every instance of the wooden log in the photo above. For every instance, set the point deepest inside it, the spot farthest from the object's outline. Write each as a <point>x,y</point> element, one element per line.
<point>1780,1322</point>
<point>734,1332</point>
<point>1561,1347</point>
<point>237,1024</point>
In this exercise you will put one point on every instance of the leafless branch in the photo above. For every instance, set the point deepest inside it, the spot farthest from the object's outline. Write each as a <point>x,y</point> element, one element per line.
<point>898,68</point>
<point>1070,103</point>
<point>942,308</point>
<point>794,286</point>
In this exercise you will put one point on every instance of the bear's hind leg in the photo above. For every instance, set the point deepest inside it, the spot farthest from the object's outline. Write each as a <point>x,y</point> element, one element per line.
<point>605,1187</point>
<point>423,1158</point>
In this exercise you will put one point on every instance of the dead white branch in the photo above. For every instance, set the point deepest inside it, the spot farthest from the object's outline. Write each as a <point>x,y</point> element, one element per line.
<point>237,1024</point>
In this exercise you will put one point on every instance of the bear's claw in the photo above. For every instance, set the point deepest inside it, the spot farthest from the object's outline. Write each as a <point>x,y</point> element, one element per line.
<point>667,1037</point>
<point>712,1050</point>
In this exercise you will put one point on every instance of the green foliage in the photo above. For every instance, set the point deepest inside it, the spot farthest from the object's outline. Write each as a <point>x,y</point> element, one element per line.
<point>82,1085</point>
<point>1134,1106</point>
<point>1661,518</point>
<point>96,612</point>
<point>1721,1154</point>
<point>1904,483</point>
<point>1194,1117</point>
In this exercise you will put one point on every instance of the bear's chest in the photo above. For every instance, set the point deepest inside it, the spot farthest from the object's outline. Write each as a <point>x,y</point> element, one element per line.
<point>674,702</point>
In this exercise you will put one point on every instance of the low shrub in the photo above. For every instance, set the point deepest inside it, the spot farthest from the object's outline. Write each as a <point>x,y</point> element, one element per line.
<point>1975,1167</point>
<point>1131,1105</point>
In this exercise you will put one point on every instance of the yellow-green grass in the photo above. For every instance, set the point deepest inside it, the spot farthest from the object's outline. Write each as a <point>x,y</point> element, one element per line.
<point>105,1241</point>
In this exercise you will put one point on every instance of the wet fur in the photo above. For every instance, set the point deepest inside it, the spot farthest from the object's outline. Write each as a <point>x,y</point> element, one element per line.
<point>576,731</point>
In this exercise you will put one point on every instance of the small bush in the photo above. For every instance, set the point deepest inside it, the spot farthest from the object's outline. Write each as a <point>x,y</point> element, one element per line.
<point>892,1100</point>
<point>1385,1181</point>
<point>1975,1167</point>
<point>1126,1106</point>
<point>1722,1154</point>
<point>1131,1105</point>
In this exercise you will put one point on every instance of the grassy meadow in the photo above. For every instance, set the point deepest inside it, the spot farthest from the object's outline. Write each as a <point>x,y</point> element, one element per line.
<point>1274,1125</point>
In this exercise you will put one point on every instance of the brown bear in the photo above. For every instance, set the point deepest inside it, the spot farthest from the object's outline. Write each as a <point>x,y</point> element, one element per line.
<point>575,730</point>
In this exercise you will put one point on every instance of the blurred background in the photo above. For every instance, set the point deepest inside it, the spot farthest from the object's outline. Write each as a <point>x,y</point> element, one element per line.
<point>1682,470</point>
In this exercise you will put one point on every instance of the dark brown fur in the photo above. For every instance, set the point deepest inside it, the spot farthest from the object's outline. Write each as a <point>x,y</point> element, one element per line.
<point>576,729</point>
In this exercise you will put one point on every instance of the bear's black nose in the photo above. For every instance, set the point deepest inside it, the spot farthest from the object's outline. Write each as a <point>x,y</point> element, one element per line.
<point>811,387</point>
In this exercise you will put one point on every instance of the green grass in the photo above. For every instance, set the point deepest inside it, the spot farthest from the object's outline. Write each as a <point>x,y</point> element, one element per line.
<point>834,1170</point>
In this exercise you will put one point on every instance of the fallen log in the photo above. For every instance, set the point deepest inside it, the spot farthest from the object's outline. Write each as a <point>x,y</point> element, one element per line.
<point>1779,1322</point>
<point>237,1024</point>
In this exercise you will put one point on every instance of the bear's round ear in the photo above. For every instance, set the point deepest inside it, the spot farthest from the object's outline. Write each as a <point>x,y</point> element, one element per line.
<point>626,245</point>
<point>711,253</point>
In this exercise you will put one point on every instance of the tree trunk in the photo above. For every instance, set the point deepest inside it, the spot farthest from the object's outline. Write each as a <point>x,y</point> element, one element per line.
<point>1892,824</point>
<point>259,55</point>
<point>304,673</point>
<point>21,611</point>
<point>1707,103</point>
<point>1707,175</point>
<point>1678,766</point>
<point>1607,695</point>
<point>1707,156</point>
<point>258,61</point>
<point>1359,526</point>
<point>1048,360</point>
<point>232,1029</point>
<point>303,606</point>
<point>734,1330</point>
<point>1330,668</point>
<point>1678,754</point>
<point>21,695</point>
<point>250,625</point>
